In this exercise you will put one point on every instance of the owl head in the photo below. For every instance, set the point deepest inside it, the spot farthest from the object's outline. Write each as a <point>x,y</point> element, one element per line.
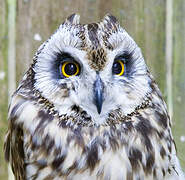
<point>96,67</point>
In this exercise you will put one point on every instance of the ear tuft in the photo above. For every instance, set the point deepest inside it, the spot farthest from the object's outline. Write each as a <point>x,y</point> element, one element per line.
<point>110,22</point>
<point>73,19</point>
<point>110,18</point>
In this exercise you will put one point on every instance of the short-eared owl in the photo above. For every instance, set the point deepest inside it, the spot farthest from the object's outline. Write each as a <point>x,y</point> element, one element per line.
<point>89,109</point>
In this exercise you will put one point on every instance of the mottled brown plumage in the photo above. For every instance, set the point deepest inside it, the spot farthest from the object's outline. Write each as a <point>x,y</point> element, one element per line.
<point>94,125</point>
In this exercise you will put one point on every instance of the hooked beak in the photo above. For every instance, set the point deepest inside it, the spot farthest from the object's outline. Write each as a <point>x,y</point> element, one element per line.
<point>98,93</point>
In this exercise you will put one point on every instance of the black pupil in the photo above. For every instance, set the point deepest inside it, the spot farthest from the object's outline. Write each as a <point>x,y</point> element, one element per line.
<point>70,69</point>
<point>117,68</point>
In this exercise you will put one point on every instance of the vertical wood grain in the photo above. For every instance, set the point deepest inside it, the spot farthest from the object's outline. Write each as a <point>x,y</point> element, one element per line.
<point>11,47</point>
<point>169,53</point>
<point>179,77</point>
<point>154,46</point>
<point>3,82</point>
<point>11,57</point>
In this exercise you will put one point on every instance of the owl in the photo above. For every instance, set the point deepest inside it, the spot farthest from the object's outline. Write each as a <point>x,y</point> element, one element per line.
<point>89,109</point>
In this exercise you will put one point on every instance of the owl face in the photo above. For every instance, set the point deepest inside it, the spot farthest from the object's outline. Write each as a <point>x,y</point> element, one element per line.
<point>97,67</point>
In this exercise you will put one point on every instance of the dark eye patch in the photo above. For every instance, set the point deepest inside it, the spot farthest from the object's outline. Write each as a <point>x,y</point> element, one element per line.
<point>67,65</point>
<point>64,57</point>
<point>127,59</point>
<point>58,59</point>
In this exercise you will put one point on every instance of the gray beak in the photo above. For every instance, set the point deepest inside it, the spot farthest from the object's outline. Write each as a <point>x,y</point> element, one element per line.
<point>98,93</point>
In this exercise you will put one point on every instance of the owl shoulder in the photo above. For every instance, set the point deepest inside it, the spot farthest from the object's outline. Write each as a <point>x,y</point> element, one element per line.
<point>13,145</point>
<point>21,114</point>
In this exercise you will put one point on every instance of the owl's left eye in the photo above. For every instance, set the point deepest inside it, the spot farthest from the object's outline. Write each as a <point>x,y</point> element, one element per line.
<point>69,69</point>
<point>118,68</point>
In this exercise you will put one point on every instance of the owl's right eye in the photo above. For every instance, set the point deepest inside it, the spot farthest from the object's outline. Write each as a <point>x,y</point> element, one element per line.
<point>69,69</point>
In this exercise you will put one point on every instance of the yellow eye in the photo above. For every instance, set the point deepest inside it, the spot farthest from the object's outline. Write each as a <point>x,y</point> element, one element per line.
<point>69,69</point>
<point>118,68</point>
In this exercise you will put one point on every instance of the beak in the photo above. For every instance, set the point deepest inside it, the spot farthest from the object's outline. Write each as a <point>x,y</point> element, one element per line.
<point>98,93</point>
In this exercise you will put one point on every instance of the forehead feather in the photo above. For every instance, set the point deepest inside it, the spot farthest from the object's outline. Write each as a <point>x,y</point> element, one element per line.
<point>94,38</point>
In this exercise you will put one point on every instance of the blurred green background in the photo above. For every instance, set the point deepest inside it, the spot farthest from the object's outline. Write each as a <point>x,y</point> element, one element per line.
<point>158,27</point>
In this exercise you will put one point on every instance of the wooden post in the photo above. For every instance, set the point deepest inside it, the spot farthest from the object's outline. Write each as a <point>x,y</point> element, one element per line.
<point>3,83</point>
<point>11,47</point>
<point>11,57</point>
<point>168,53</point>
<point>179,78</point>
